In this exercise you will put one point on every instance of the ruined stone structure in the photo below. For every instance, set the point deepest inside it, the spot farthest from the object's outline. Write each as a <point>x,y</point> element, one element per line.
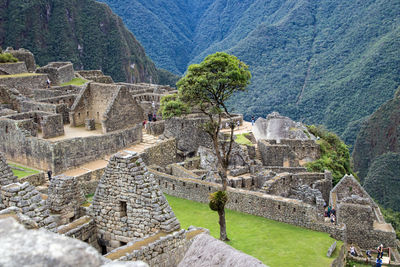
<point>12,68</point>
<point>6,175</point>
<point>95,76</point>
<point>65,198</point>
<point>112,106</point>
<point>25,56</point>
<point>58,72</point>
<point>128,203</point>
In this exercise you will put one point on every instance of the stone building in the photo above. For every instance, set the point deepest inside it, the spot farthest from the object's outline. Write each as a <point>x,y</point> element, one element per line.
<point>128,203</point>
<point>25,56</point>
<point>111,106</point>
<point>58,72</point>
<point>6,174</point>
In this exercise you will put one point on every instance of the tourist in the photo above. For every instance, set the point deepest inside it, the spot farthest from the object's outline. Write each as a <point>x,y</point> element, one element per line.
<point>150,116</point>
<point>154,117</point>
<point>238,124</point>
<point>48,83</point>
<point>378,262</point>
<point>252,120</point>
<point>329,210</point>
<point>145,124</point>
<point>153,105</point>
<point>333,218</point>
<point>49,173</point>
<point>368,252</point>
<point>380,251</point>
<point>353,251</point>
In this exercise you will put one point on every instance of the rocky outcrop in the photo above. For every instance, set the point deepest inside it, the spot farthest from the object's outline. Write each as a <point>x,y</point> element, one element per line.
<point>21,247</point>
<point>208,251</point>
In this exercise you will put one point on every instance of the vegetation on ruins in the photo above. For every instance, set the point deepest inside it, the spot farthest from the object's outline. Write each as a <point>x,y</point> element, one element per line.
<point>206,87</point>
<point>21,171</point>
<point>75,81</point>
<point>328,62</point>
<point>335,155</point>
<point>171,105</point>
<point>7,58</point>
<point>272,242</point>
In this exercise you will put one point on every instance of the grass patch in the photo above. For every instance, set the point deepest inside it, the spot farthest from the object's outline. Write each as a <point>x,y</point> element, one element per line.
<point>242,140</point>
<point>19,75</point>
<point>22,171</point>
<point>75,81</point>
<point>274,243</point>
<point>89,200</point>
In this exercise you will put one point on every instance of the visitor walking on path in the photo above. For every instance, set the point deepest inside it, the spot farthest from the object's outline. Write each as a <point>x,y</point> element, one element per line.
<point>49,173</point>
<point>252,120</point>
<point>48,83</point>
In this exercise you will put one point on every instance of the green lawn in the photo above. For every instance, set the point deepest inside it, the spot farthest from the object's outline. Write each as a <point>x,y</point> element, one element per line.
<point>20,173</point>
<point>242,140</point>
<point>75,81</point>
<point>276,244</point>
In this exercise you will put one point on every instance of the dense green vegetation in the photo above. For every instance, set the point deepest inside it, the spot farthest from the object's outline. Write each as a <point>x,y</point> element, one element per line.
<point>335,155</point>
<point>392,217</point>
<point>85,32</point>
<point>274,243</point>
<point>21,171</point>
<point>328,62</point>
<point>383,180</point>
<point>7,58</point>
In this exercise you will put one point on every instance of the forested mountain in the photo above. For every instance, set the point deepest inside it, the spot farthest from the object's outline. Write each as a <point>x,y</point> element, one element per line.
<point>85,32</point>
<point>330,62</point>
<point>377,154</point>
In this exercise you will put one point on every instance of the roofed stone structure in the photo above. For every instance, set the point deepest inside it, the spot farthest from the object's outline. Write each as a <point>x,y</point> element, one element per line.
<point>128,203</point>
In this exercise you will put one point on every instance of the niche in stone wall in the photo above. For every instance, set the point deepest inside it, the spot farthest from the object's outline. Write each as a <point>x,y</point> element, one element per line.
<point>122,205</point>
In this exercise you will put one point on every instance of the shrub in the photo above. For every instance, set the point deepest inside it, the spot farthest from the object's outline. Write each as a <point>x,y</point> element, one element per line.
<point>7,57</point>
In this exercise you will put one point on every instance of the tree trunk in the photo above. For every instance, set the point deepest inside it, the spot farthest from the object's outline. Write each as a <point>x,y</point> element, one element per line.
<point>222,225</point>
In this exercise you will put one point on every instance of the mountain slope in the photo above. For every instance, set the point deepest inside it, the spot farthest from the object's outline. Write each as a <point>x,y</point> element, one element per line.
<point>329,62</point>
<point>82,31</point>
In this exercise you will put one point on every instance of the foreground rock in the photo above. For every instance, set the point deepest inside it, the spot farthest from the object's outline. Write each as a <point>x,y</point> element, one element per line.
<point>21,247</point>
<point>208,251</point>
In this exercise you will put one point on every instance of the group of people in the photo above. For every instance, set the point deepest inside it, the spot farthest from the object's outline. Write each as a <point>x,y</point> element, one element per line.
<point>330,213</point>
<point>379,256</point>
<point>150,118</point>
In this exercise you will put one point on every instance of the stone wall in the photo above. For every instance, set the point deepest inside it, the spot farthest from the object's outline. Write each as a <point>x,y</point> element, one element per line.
<point>62,109</point>
<point>162,153</point>
<point>166,251</point>
<point>128,203</point>
<point>25,84</point>
<point>13,68</point>
<point>89,181</point>
<point>306,150</point>
<point>25,56</point>
<point>85,231</point>
<point>31,203</point>
<point>20,147</point>
<point>122,111</point>
<point>58,72</point>
<point>6,174</point>
<point>36,179</point>
<point>52,126</point>
<point>155,128</point>
<point>273,154</point>
<point>65,197</point>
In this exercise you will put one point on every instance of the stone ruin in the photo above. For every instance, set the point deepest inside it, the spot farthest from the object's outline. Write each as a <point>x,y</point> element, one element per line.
<point>58,72</point>
<point>128,203</point>
<point>6,175</point>
<point>25,56</point>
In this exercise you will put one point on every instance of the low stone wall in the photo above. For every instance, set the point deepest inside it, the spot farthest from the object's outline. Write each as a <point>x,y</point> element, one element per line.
<point>60,155</point>
<point>13,68</point>
<point>179,171</point>
<point>25,56</point>
<point>162,154</point>
<point>340,261</point>
<point>36,179</point>
<point>25,84</point>
<point>165,252</point>
<point>89,181</point>
<point>85,232</point>
<point>155,128</point>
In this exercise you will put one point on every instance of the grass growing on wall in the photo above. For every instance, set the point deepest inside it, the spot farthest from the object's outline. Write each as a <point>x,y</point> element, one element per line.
<point>22,171</point>
<point>274,243</point>
<point>75,81</point>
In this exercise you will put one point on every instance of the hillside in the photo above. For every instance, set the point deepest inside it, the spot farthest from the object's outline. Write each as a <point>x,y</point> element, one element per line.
<point>85,32</point>
<point>331,62</point>
<point>377,154</point>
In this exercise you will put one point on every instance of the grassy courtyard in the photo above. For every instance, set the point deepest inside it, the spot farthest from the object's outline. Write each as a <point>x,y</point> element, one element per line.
<point>75,81</point>
<point>274,243</point>
<point>21,171</point>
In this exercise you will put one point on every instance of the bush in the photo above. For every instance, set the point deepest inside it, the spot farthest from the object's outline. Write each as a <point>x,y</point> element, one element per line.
<point>7,57</point>
<point>172,106</point>
<point>335,155</point>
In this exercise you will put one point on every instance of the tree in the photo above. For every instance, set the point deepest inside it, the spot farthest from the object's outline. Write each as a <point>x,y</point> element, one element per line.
<point>206,87</point>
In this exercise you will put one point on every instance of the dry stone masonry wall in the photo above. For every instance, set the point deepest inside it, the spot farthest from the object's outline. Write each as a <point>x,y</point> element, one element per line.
<point>128,203</point>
